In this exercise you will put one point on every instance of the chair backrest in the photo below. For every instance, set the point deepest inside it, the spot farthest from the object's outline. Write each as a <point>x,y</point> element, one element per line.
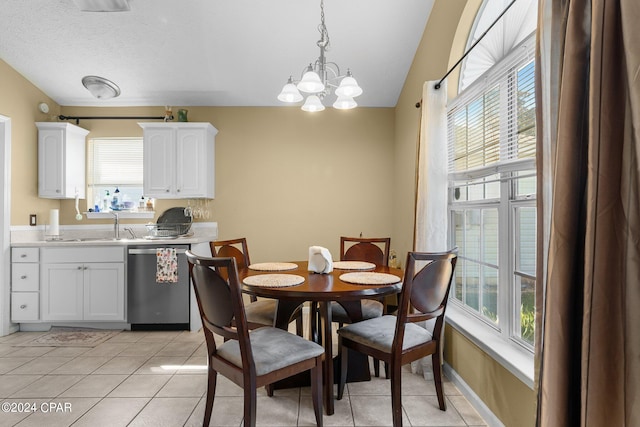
<point>219,296</point>
<point>375,250</point>
<point>425,291</point>
<point>235,248</point>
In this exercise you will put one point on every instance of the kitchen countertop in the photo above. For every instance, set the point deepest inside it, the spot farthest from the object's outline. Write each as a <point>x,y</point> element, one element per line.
<point>103,236</point>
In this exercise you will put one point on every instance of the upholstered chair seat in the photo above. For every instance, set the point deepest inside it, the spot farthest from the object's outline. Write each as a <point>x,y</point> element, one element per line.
<point>273,349</point>
<point>370,309</point>
<point>379,332</point>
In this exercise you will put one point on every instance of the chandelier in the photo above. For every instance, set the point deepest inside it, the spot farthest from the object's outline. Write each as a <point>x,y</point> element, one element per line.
<point>320,78</point>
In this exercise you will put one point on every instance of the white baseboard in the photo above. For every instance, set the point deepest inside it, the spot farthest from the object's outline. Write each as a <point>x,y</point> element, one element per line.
<point>471,396</point>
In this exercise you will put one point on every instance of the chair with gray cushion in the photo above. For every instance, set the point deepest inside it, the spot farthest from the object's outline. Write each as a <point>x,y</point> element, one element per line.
<point>374,250</point>
<point>260,312</point>
<point>249,358</point>
<point>398,340</point>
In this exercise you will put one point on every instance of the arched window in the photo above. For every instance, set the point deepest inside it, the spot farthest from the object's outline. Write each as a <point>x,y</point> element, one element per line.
<point>492,183</point>
<point>518,24</point>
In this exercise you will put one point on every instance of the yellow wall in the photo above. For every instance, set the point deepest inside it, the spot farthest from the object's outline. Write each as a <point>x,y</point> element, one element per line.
<point>19,101</point>
<point>511,400</point>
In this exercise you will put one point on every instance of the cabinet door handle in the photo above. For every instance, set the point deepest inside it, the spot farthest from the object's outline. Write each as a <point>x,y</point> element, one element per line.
<point>79,267</point>
<point>23,306</point>
<point>85,268</point>
<point>23,277</point>
<point>23,255</point>
<point>167,190</point>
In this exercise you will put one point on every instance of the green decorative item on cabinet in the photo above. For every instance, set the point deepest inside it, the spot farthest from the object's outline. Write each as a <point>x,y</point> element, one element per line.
<point>182,115</point>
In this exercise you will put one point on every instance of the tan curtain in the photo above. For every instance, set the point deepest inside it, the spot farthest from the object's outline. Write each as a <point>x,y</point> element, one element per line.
<point>588,292</point>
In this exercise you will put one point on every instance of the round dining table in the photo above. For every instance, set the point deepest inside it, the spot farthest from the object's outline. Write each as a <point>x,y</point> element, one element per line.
<point>323,289</point>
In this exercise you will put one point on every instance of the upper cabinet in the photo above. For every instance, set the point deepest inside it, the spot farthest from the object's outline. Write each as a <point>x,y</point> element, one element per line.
<point>179,160</point>
<point>61,160</point>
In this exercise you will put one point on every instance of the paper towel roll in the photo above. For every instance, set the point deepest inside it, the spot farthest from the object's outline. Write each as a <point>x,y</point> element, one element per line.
<point>54,224</point>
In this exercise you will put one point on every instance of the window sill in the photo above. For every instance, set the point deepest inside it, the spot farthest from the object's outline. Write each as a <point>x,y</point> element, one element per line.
<point>513,358</point>
<point>132,214</point>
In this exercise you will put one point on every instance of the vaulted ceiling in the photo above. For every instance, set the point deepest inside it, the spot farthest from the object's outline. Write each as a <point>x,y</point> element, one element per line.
<point>208,52</point>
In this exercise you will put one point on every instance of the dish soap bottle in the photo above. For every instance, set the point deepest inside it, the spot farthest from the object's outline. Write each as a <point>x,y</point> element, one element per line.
<point>141,203</point>
<point>115,202</point>
<point>105,201</point>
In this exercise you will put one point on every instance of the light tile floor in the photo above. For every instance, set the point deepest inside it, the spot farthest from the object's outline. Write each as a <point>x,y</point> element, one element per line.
<point>159,379</point>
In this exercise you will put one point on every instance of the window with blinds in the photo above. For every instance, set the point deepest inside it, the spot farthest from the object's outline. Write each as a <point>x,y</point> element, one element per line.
<point>492,196</point>
<point>492,123</point>
<point>114,162</point>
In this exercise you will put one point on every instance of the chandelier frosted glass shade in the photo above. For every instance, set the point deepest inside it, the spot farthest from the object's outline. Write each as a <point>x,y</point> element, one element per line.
<point>345,103</point>
<point>311,82</point>
<point>312,104</point>
<point>290,93</point>
<point>349,87</point>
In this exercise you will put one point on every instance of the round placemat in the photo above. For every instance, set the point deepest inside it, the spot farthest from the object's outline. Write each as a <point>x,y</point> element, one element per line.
<point>370,278</point>
<point>274,280</point>
<point>353,265</point>
<point>273,266</point>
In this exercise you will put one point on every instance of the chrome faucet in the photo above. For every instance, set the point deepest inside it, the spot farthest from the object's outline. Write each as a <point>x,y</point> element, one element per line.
<point>116,226</point>
<point>130,230</point>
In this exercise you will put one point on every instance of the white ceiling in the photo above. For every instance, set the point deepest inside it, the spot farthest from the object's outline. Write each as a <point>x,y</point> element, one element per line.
<point>208,52</point>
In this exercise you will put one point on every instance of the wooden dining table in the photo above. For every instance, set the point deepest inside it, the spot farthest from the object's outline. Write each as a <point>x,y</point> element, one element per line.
<point>323,289</point>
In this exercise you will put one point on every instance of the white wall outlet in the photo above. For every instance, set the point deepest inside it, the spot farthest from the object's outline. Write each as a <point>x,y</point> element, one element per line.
<point>32,220</point>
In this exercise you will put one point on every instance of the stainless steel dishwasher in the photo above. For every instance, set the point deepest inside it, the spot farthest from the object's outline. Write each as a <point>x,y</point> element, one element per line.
<point>152,305</point>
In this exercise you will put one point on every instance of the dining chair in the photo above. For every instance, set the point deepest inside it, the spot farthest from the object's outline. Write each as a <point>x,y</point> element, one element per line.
<point>398,340</point>
<point>249,358</point>
<point>376,251</point>
<point>259,312</point>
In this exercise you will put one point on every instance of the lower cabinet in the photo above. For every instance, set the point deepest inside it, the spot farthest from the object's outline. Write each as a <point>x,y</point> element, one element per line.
<point>25,284</point>
<point>24,307</point>
<point>90,288</point>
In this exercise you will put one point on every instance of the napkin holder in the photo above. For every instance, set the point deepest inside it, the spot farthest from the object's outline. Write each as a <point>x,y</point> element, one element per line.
<point>320,260</point>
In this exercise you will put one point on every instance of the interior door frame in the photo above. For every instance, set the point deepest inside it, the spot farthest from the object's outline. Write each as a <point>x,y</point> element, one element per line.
<point>5,225</point>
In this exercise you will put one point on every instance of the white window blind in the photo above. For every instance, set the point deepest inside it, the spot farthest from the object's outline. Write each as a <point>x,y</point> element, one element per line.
<point>115,162</point>
<point>493,121</point>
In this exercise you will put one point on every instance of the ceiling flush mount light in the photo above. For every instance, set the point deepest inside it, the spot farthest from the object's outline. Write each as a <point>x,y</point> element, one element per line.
<point>100,87</point>
<point>320,78</point>
<point>103,5</point>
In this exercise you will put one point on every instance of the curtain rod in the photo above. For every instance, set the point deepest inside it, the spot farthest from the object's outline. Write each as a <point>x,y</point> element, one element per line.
<point>77,119</point>
<point>437,86</point>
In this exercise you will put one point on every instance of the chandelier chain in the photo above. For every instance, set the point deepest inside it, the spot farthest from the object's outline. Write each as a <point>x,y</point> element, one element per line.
<point>322,28</point>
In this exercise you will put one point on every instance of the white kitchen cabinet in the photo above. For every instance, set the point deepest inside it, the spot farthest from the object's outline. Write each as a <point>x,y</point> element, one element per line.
<point>25,284</point>
<point>62,290</point>
<point>82,284</point>
<point>61,160</point>
<point>24,306</point>
<point>179,160</point>
<point>104,291</point>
